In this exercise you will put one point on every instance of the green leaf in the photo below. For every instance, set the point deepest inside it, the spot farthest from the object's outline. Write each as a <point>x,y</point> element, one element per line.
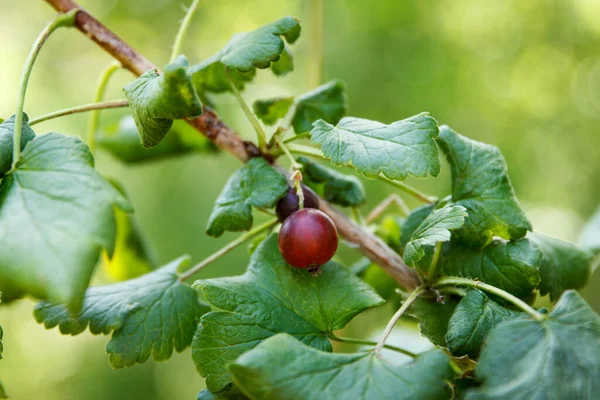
<point>3,394</point>
<point>510,266</point>
<point>327,102</point>
<point>396,150</point>
<point>271,110</point>
<point>345,190</point>
<point>56,216</point>
<point>590,237</point>
<point>123,141</point>
<point>7,131</point>
<point>244,53</point>
<point>556,358</point>
<point>413,221</point>
<point>282,368</point>
<point>434,229</point>
<point>256,184</point>
<point>156,100</point>
<point>285,64</point>
<point>564,265</point>
<point>480,183</point>
<point>433,317</point>
<point>149,315</point>
<point>272,297</point>
<point>475,316</point>
<point>1,345</point>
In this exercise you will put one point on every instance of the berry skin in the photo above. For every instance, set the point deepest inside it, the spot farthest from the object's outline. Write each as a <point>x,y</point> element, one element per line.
<point>290,203</point>
<point>307,239</point>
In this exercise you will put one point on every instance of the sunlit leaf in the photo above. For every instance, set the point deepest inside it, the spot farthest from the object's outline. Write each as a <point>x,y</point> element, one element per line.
<point>7,131</point>
<point>327,102</point>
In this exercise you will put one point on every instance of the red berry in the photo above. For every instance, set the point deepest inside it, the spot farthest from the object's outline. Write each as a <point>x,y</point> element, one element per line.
<point>308,238</point>
<point>290,203</point>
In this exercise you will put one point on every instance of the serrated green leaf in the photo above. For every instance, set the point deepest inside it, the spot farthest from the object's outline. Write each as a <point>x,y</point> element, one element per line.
<point>7,131</point>
<point>405,147</point>
<point>156,100</point>
<point>554,359</point>
<point>510,266</point>
<point>341,189</point>
<point>434,229</point>
<point>256,184</point>
<point>149,315</point>
<point>56,216</point>
<point>327,102</point>
<point>271,110</point>
<point>433,317</point>
<point>272,297</point>
<point>590,236</point>
<point>480,183</point>
<point>282,368</point>
<point>123,141</point>
<point>231,392</point>
<point>410,225</point>
<point>244,53</point>
<point>564,265</point>
<point>475,316</point>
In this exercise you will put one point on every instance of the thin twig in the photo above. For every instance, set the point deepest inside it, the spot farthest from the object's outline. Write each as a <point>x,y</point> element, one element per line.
<point>408,189</point>
<point>388,201</point>
<point>79,109</point>
<point>370,343</point>
<point>94,120</point>
<point>183,29</point>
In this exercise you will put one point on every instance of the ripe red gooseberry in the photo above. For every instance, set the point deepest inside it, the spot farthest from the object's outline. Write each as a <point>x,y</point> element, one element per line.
<point>290,203</point>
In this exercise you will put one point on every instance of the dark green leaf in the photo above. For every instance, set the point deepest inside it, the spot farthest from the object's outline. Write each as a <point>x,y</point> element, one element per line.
<point>231,392</point>
<point>554,359</point>
<point>396,150</point>
<point>510,266</point>
<point>327,102</point>
<point>473,319</point>
<point>282,368</point>
<point>256,184</point>
<point>156,100</point>
<point>56,216</point>
<point>413,221</point>
<point>433,317</point>
<point>480,183</point>
<point>345,190</point>
<point>590,237</point>
<point>272,297</point>
<point>7,131</point>
<point>434,229</point>
<point>285,64</point>
<point>271,110</point>
<point>244,53</point>
<point>149,315</point>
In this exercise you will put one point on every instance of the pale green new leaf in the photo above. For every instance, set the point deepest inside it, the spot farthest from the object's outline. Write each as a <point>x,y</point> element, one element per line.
<point>405,147</point>
<point>337,188</point>
<point>149,315</point>
<point>282,368</point>
<point>434,229</point>
<point>590,237</point>
<point>271,110</point>
<point>56,216</point>
<point>7,131</point>
<point>433,316</point>
<point>156,100</point>
<point>256,184</point>
<point>327,102</point>
<point>272,297</point>
<point>553,359</point>
<point>480,183</point>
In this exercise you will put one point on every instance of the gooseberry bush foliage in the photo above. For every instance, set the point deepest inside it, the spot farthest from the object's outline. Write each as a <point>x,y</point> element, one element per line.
<point>476,264</point>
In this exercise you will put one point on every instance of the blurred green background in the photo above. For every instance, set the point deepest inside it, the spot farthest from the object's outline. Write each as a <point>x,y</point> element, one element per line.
<point>523,75</point>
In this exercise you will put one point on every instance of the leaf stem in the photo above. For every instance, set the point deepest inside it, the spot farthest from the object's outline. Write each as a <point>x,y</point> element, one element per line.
<point>260,132</point>
<point>409,189</point>
<point>297,137</point>
<point>80,109</point>
<point>431,274</point>
<point>388,329</point>
<point>457,281</point>
<point>105,76</point>
<point>185,23</point>
<point>227,248</point>
<point>305,150</point>
<point>67,19</point>
<point>370,343</point>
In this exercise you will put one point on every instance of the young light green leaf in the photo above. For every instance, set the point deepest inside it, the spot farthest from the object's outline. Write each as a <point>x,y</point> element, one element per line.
<point>327,102</point>
<point>433,317</point>
<point>256,184</point>
<point>564,265</point>
<point>7,131</point>
<point>590,237</point>
<point>475,316</point>
<point>480,183</point>
<point>244,53</point>
<point>282,368</point>
<point>396,150</point>
<point>272,297</point>
<point>511,266</point>
<point>156,100</point>
<point>555,359</point>
<point>337,188</point>
<point>56,216</point>
<point>149,315</point>
<point>434,229</point>
<point>123,141</point>
<point>271,110</point>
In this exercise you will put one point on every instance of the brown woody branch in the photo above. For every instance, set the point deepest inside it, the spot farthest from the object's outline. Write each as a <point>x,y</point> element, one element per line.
<point>225,138</point>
